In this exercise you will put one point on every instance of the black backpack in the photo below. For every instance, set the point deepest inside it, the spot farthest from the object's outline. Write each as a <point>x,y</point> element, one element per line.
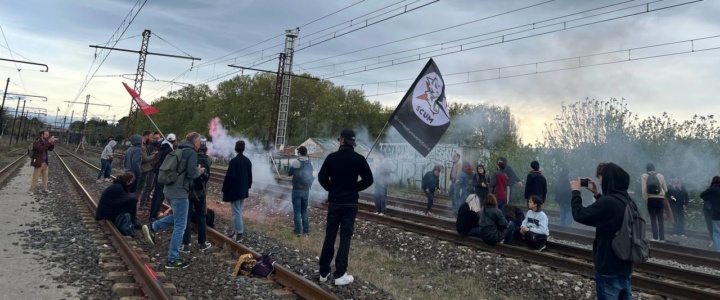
<point>304,174</point>
<point>629,243</point>
<point>210,218</point>
<point>653,183</point>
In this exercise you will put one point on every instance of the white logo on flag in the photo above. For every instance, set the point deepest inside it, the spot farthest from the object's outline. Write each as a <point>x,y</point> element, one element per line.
<point>427,104</point>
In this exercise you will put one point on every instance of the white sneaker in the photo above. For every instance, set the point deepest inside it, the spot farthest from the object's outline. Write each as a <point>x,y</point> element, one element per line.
<point>31,193</point>
<point>108,179</point>
<point>654,240</point>
<point>381,214</point>
<point>47,192</point>
<point>324,279</point>
<point>205,247</point>
<point>344,280</point>
<point>674,235</point>
<point>683,236</point>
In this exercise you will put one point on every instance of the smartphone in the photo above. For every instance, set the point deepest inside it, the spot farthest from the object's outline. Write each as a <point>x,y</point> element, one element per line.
<point>584,182</point>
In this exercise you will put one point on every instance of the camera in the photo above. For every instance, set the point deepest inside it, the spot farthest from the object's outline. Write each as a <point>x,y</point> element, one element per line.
<point>584,182</point>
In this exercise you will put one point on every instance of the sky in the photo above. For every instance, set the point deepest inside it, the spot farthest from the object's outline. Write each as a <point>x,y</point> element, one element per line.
<point>58,33</point>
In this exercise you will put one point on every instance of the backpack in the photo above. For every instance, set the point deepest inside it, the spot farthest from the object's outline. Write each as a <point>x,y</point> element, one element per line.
<point>653,184</point>
<point>169,172</point>
<point>304,174</point>
<point>124,225</point>
<point>264,266</point>
<point>244,265</point>
<point>629,243</point>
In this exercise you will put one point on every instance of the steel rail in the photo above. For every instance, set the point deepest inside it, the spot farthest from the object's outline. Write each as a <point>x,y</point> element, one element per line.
<point>284,276</point>
<point>142,273</point>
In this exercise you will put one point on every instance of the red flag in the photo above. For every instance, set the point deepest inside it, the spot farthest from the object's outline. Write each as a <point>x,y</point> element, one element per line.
<point>146,108</point>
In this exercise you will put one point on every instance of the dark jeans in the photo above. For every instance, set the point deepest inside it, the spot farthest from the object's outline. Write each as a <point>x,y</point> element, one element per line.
<point>129,206</point>
<point>300,205</point>
<point>501,204</point>
<point>380,198</point>
<point>475,231</point>
<point>105,168</point>
<point>140,183</point>
<point>566,218</point>
<point>679,218</point>
<point>610,287</point>
<point>510,233</point>
<point>342,217</point>
<point>708,221</point>
<point>655,209</point>
<point>150,180</point>
<point>198,207</point>
<point>132,188</point>
<point>430,199</point>
<point>157,200</point>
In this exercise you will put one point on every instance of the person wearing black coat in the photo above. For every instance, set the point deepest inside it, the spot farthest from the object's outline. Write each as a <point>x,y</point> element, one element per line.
<point>198,205</point>
<point>481,183</point>
<point>493,224</point>
<point>712,195</point>
<point>467,222</point>
<point>116,200</point>
<point>535,183</point>
<point>430,183</point>
<point>606,214</point>
<point>236,186</point>
<point>339,176</point>
<point>678,199</point>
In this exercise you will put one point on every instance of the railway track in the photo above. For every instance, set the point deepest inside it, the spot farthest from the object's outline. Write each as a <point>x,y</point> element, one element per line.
<point>138,279</point>
<point>15,163</point>
<point>291,281</point>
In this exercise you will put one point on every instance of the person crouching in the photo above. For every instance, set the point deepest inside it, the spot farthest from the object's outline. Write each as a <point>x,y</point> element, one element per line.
<point>467,223</point>
<point>116,200</point>
<point>492,221</point>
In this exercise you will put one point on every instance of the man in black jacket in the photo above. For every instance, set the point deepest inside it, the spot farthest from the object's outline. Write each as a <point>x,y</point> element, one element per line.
<point>158,196</point>
<point>535,184</point>
<point>612,275</point>
<point>430,183</point>
<point>198,204</point>
<point>339,176</point>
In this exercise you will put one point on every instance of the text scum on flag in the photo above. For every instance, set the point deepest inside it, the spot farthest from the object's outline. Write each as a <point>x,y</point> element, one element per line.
<point>146,108</point>
<point>422,116</point>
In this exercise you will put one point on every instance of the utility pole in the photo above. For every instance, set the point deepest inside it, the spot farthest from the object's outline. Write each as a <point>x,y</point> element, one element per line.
<point>14,119</point>
<point>72,115</point>
<point>17,138</point>
<point>132,116</point>
<point>284,104</point>
<point>84,119</point>
<point>2,107</point>
<point>56,116</point>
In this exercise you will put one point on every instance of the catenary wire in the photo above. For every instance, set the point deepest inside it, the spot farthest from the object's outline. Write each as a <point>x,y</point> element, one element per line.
<point>13,57</point>
<point>418,56</point>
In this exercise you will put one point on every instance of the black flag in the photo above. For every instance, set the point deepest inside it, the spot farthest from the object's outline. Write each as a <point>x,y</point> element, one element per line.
<point>422,116</point>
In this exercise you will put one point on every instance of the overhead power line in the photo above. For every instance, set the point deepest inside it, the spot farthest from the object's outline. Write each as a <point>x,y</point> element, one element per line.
<point>216,60</point>
<point>13,58</point>
<point>426,33</point>
<point>567,63</point>
<point>500,39</point>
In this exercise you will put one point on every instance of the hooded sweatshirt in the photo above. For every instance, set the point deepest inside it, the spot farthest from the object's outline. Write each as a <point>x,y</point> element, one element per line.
<point>535,184</point>
<point>108,150</point>
<point>339,175</point>
<point>133,156</point>
<point>188,171</point>
<point>712,196</point>
<point>492,225</point>
<point>663,186</point>
<point>537,222</point>
<point>606,215</point>
<point>112,199</point>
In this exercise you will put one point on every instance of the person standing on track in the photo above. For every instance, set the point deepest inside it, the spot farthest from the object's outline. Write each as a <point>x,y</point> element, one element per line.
<point>430,183</point>
<point>679,200</point>
<point>480,183</point>
<point>177,194</point>
<point>535,183</point>
<point>712,196</point>
<point>198,189</point>
<point>301,171</point>
<point>339,176</point>
<point>606,214</point>
<point>147,181</point>
<point>236,188</point>
<point>133,161</point>
<point>499,185</point>
<point>106,158</point>
<point>158,196</point>
<point>39,161</point>
<point>653,191</point>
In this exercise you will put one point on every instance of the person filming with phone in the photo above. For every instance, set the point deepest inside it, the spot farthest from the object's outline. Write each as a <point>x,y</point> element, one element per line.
<point>606,214</point>
<point>39,161</point>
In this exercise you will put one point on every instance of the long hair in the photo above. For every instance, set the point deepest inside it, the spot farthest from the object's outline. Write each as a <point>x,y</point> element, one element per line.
<point>490,201</point>
<point>474,202</point>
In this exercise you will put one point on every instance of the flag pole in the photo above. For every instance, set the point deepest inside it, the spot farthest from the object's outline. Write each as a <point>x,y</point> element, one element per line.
<point>156,127</point>
<point>378,138</point>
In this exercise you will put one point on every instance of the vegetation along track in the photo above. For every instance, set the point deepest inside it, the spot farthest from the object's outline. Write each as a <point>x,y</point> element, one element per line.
<point>146,281</point>
<point>292,282</point>
<point>8,169</point>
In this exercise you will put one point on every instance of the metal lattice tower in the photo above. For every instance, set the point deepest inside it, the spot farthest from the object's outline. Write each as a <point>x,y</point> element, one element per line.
<point>281,131</point>
<point>132,117</point>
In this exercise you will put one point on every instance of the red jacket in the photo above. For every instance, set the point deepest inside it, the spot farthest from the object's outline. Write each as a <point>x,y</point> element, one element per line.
<point>40,147</point>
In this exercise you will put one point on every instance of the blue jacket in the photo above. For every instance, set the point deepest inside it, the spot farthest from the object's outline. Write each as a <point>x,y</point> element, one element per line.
<point>133,156</point>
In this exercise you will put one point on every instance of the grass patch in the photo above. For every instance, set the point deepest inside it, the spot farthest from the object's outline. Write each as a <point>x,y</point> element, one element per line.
<point>389,271</point>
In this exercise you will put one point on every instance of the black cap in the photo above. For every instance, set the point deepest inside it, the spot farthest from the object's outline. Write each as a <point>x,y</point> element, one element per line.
<point>349,136</point>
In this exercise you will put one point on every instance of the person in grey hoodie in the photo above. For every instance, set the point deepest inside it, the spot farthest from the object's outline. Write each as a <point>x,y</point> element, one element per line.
<point>133,160</point>
<point>106,158</point>
<point>177,194</point>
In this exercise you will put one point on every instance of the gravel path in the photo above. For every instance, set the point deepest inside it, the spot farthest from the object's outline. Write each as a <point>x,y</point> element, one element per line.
<point>207,277</point>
